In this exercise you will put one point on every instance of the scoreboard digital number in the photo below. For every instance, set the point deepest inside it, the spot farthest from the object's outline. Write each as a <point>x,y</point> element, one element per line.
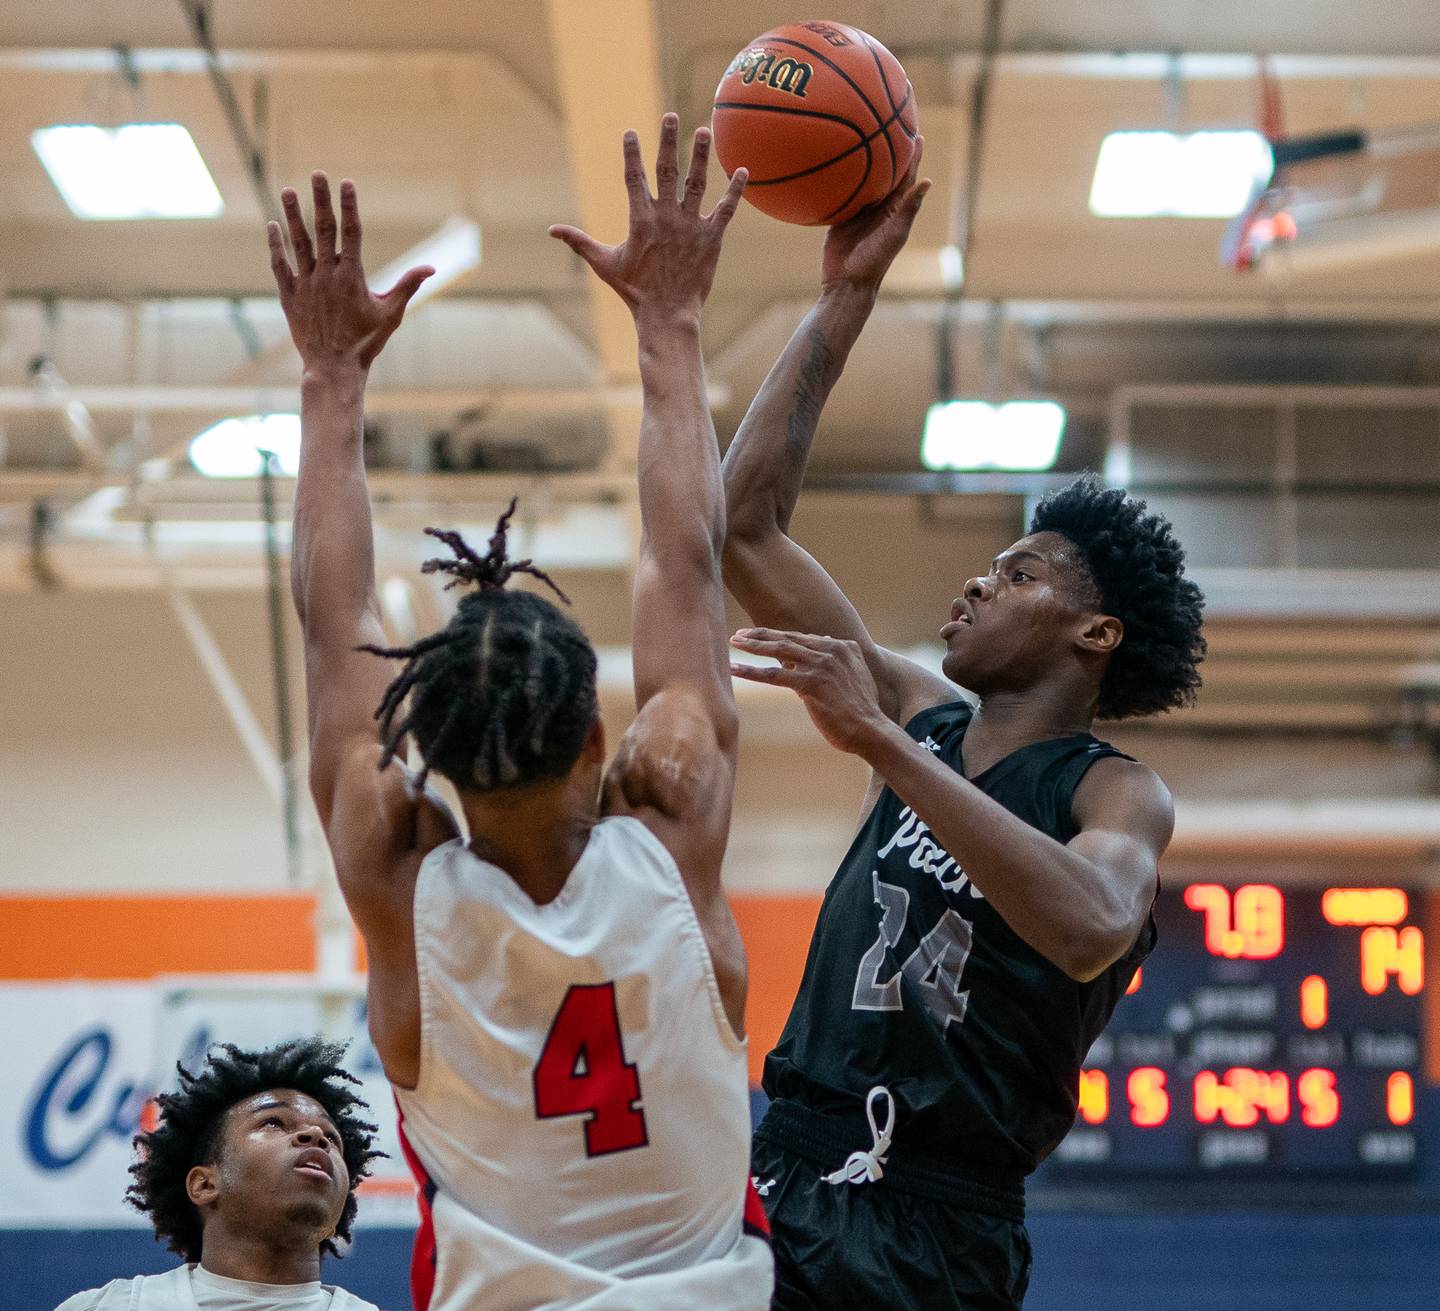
<point>1274,1031</point>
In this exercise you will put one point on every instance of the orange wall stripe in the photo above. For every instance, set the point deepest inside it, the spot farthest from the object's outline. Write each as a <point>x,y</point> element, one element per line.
<point>136,937</point>
<point>777,933</point>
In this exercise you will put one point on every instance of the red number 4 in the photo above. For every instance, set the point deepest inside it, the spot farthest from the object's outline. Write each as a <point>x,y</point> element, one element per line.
<point>583,1071</point>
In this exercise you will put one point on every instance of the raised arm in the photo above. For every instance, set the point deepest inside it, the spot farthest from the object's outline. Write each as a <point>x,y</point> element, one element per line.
<point>779,584</point>
<point>376,825</point>
<point>675,767</point>
<point>663,272</point>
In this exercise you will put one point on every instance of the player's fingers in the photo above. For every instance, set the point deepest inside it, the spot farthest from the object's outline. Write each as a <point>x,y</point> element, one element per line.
<point>349,222</point>
<point>582,243</point>
<point>635,183</point>
<point>399,295</point>
<point>299,234</point>
<point>667,159</point>
<point>743,635</point>
<point>324,218</point>
<point>814,641</point>
<point>904,192</point>
<point>910,206</point>
<point>721,215</point>
<point>783,649</point>
<point>699,168</point>
<point>279,265</point>
<point>776,675</point>
<point>914,170</point>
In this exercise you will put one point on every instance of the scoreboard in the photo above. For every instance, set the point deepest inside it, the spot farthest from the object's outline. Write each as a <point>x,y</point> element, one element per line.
<point>1274,1032</point>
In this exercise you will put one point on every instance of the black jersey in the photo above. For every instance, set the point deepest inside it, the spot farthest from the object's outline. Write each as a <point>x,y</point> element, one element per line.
<point>915,982</point>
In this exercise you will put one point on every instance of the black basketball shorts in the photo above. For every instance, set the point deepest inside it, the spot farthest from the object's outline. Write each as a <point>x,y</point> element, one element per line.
<point>873,1247</point>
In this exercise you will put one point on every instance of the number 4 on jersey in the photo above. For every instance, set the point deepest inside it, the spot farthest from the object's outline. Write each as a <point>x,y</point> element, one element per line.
<point>583,1071</point>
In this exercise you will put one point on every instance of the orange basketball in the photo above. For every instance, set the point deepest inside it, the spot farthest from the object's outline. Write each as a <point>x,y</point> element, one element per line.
<point>822,115</point>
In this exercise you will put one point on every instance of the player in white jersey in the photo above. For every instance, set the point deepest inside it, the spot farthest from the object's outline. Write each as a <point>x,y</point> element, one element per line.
<point>558,999</point>
<point>249,1176</point>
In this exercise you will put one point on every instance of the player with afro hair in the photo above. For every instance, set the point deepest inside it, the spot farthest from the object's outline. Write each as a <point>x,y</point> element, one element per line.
<point>1128,563</point>
<point>249,1176</point>
<point>996,901</point>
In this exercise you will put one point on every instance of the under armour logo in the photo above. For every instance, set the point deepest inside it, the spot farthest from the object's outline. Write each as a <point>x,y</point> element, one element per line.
<point>762,1189</point>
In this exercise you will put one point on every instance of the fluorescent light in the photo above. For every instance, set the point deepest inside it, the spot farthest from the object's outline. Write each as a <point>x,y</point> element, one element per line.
<point>231,448</point>
<point>952,267</point>
<point>140,170</point>
<point>1018,435</point>
<point>453,250</point>
<point>1162,174</point>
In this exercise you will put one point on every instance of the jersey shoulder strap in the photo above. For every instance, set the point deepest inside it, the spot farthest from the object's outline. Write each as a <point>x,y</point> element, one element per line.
<point>1073,765</point>
<point>938,722</point>
<point>1069,760</point>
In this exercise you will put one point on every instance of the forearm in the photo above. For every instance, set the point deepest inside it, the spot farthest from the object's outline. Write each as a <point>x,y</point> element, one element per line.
<point>332,552</point>
<point>765,465</point>
<point>1064,905</point>
<point>682,507</point>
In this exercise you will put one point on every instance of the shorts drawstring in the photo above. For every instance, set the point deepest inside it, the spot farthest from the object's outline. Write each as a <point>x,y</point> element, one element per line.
<point>868,1167</point>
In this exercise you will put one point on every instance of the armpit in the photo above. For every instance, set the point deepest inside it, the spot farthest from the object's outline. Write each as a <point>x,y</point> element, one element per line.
<point>667,759</point>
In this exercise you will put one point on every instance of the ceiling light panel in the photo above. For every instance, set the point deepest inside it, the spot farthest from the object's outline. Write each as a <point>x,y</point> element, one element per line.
<point>136,171</point>
<point>232,448</point>
<point>1018,435</point>
<point>1172,175</point>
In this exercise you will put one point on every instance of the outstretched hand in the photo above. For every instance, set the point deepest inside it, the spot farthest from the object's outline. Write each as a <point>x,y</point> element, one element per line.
<point>861,250</point>
<point>335,320</point>
<point>666,264</point>
<point>830,675</point>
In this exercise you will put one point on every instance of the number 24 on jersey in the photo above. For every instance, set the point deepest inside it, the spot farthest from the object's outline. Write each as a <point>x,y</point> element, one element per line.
<point>583,1071</point>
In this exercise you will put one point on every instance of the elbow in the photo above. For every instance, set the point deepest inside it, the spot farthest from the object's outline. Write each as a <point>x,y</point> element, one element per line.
<point>1090,953</point>
<point>753,510</point>
<point>1086,967</point>
<point>725,720</point>
<point>715,538</point>
<point>695,556</point>
<point>746,548</point>
<point>750,519</point>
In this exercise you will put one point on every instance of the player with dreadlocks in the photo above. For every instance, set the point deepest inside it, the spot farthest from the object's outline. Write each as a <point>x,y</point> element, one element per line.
<point>556,997</point>
<point>249,1177</point>
<point>996,901</point>
<point>535,726</point>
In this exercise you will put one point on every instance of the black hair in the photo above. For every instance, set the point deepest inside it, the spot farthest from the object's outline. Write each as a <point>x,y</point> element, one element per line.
<point>193,1117</point>
<point>1138,569</point>
<point>504,695</point>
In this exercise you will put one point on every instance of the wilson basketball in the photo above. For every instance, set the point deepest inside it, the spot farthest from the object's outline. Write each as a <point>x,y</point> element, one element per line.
<point>823,117</point>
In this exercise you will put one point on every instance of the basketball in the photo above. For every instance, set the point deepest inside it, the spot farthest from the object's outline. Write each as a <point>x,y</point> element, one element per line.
<point>823,117</point>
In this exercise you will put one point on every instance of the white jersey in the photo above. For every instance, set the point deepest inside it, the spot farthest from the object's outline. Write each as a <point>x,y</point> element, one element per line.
<point>581,1123</point>
<point>193,1288</point>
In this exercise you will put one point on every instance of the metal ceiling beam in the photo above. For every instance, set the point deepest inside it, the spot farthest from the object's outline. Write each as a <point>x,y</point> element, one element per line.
<point>1077,63</point>
<point>377,61</point>
<point>898,296</point>
<point>262,397</point>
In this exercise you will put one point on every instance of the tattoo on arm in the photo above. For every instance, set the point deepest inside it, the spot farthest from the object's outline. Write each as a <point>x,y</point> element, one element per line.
<point>809,397</point>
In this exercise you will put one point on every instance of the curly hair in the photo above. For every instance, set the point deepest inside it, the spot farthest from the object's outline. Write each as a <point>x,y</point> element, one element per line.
<point>1137,568</point>
<point>504,695</point>
<point>192,1120</point>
